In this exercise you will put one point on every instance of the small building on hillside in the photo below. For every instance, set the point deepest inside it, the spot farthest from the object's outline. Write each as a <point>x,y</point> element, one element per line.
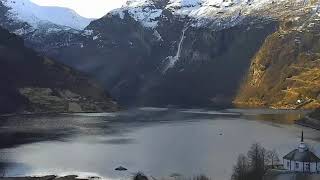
<point>302,159</point>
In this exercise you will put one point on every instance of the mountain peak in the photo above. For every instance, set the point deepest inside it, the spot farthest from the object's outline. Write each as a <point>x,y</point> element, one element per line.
<point>33,14</point>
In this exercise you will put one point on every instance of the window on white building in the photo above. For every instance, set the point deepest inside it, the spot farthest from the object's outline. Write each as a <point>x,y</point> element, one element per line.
<point>297,165</point>
<point>288,164</point>
<point>308,167</point>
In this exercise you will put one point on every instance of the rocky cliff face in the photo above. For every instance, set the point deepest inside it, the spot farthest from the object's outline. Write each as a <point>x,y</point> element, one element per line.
<point>160,52</point>
<point>31,83</point>
<point>285,73</point>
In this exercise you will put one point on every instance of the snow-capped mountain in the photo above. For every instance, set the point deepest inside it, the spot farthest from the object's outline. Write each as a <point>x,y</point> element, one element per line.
<point>35,15</point>
<point>189,52</point>
<point>199,51</point>
<point>42,28</point>
<point>193,52</point>
<point>204,12</point>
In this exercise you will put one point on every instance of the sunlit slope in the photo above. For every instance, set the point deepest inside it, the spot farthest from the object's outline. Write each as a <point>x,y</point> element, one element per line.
<point>285,73</point>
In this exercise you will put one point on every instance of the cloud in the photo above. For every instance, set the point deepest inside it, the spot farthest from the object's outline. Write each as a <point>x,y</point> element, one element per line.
<point>86,8</point>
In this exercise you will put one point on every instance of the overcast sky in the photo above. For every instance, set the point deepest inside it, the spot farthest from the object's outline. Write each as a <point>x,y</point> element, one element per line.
<point>86,8</point>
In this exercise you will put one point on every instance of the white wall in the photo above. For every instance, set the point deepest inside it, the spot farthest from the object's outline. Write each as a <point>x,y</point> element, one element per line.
<point>313,166</point>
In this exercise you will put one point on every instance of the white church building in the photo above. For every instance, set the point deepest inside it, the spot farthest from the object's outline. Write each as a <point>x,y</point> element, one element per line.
<point>302,159</point>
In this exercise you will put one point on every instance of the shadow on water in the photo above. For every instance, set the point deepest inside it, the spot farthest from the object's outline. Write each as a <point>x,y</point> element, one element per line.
<point>25,129</point>
<point>6,169</point>
<point>28,129</point>
<point>119,141</point>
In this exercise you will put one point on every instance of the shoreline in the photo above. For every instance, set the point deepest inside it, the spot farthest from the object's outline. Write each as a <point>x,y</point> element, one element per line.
<point>309,122</point>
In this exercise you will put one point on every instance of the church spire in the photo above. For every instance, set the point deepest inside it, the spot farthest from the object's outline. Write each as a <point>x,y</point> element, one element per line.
<point>302,146</point>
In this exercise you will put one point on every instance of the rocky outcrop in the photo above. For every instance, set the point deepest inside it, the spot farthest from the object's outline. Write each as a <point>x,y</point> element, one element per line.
<point>32,83</point>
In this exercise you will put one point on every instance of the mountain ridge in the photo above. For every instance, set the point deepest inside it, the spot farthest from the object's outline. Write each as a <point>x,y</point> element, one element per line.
<point>34,15</point>
<point>32,83</point>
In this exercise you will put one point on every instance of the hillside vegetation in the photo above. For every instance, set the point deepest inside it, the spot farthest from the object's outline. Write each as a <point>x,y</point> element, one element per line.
<point>285,72</point>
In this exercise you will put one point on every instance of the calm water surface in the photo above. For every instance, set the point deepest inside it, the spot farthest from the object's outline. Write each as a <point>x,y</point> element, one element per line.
<point>158,142</point>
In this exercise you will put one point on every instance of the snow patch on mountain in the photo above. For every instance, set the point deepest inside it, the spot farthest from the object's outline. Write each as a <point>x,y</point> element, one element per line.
<point>317,10</point>
<point>147,12</point>
<point>138,3</point>
<point>214,8</point>
<point>143,11</point>
<point>157,35</point>
<point>146,16</point>
<point>21,31</point>
<point>35,15</point>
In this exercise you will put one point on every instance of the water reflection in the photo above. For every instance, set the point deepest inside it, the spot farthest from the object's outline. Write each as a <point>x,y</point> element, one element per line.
<point>289,118</point>
<point>159,142</point>
<point>7,168</point>
<point>17,130</point>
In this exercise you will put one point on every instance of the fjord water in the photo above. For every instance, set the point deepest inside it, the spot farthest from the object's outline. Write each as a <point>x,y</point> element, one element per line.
<point>158,142</point>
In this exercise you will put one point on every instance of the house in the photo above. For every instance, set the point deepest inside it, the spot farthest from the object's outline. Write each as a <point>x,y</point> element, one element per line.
<point>302,159</point>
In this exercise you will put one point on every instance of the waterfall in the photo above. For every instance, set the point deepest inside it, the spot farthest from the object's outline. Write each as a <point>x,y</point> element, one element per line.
<point>181,42</point>
<point>173,59</point>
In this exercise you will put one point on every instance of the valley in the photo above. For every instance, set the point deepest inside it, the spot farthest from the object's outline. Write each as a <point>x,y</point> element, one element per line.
<point>173,88</point>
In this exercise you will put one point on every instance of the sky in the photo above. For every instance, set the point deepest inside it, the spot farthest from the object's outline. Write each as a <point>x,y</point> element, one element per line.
<point>85,8</point>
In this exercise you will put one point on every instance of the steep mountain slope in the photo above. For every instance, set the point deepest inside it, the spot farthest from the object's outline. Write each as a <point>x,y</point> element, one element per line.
<point>192,52</point>
<point>285,73</point>
<point>31,83</point>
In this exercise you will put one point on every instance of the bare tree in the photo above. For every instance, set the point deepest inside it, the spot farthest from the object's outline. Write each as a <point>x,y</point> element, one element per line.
<point>241,169</point>
<point>258,160</point>
<point>273,157</point>
<point>255,164</point>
